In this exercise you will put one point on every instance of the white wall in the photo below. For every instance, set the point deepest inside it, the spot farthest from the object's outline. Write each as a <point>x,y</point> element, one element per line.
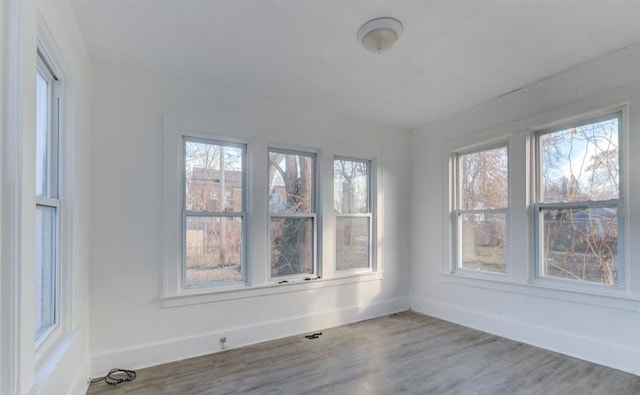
<point>64,367</point>
<point>129,327</point>
<point>603,329</point>
<point>4,51</point>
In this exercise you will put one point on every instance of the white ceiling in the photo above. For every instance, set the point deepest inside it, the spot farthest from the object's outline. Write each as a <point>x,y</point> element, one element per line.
<point>451,56</point>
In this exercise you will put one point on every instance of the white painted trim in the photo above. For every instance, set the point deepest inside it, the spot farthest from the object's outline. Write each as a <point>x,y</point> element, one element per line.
<point>582,347</point>
<point>208,343</point>
<point>245,291</point>
<point>11,350</point>
<point>616,112</point>
<point>47,363</point>
<point>3,22</point>
<point>515,132</point>
<point>588,296</point>
<point>80,383</point>
<point>258,281</point>
<point>51,347</point>
<point>493,139</point>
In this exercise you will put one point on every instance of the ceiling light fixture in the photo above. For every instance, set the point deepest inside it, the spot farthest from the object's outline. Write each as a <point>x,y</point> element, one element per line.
<point>379,34</point>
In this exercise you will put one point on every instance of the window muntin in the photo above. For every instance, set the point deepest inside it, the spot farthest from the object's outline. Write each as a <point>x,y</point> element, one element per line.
<point>292,212</point>
<point>47,243</point>
<point>577,205</point>
<point>213,212</point>
<point>481,210</point>
<point>352,204</point>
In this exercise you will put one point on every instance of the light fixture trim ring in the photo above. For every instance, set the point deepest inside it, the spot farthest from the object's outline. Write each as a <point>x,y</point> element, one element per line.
<point>379,23</point>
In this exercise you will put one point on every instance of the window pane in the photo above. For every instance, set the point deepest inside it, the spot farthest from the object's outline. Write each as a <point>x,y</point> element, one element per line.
<point>213,249</point>
<point>350,186</point>
<point>580,164</point>
<point>483,242</point>
<point>483,183</point>
<point>352,242</point>
<point>580,244</point>
<point>42,135</point>
<point>45,269</point>
<point>291,246</point>
<point>213,177</point>
<point>291,183</point>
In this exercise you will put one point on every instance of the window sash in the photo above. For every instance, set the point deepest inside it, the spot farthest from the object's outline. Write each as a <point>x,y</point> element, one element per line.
<point>457,192</point>
<point>537,160</point>
<point>539,238</point>
<point>458,246</point>
<point>369,183</point>
<point>369,216</point>
<point>314,175</point>
<point>200,140</point>
<point>43,332</point>
<point>47,197</point>
<point>243,275</point>
<point>52,167</point>
<point>189,213</point>
<point>314,245</point>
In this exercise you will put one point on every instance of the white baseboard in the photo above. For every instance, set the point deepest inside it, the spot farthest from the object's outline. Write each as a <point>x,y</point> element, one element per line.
<point>589,349</point>
<point>80,384</point>
<point>208,343</point>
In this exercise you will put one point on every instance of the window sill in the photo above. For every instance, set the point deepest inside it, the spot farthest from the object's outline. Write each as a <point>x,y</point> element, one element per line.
<point>246,291</point>
<point>48,359</point>
<point>608,298</point>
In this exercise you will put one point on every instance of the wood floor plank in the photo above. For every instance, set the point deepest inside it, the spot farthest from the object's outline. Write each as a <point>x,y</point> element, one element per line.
<point>401,353</point>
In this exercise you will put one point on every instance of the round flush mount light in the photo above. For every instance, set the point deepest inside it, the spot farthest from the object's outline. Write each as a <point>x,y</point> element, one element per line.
<point>379,34</point>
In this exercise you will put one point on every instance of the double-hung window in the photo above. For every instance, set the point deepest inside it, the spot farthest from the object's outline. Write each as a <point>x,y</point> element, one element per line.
<point>352,204</point>
<point>481,210</point>
<point>292,212</point>
<point>577,201</point>
<point>47,229</point>
<point>213,212</point>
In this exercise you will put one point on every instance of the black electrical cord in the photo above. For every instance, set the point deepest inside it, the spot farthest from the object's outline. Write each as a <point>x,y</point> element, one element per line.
<point>116,376</point>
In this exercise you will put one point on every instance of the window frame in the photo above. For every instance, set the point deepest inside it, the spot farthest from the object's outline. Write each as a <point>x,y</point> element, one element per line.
<point>258,282</point>
<point>314,216</point>
<point>370,214</point>
<point>456,212</point>
<point>538,206</point>
<point>187,137</point>
<point>51,198</point>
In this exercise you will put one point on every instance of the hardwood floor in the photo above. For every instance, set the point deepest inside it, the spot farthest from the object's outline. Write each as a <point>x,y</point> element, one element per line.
<point>401,353</point>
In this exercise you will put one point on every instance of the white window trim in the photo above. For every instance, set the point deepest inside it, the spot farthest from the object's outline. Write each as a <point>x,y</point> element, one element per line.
<point>258,281</point>
<point>213,214</point>
<point>56,340</point>
<point>538,206</point>
<point>371,215</point>
<point>316,269</point>
<point>522,257</point>
<point>453,228</point>
<point>173,209</point>
<point>272,288</point>
<point>14,361</point>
